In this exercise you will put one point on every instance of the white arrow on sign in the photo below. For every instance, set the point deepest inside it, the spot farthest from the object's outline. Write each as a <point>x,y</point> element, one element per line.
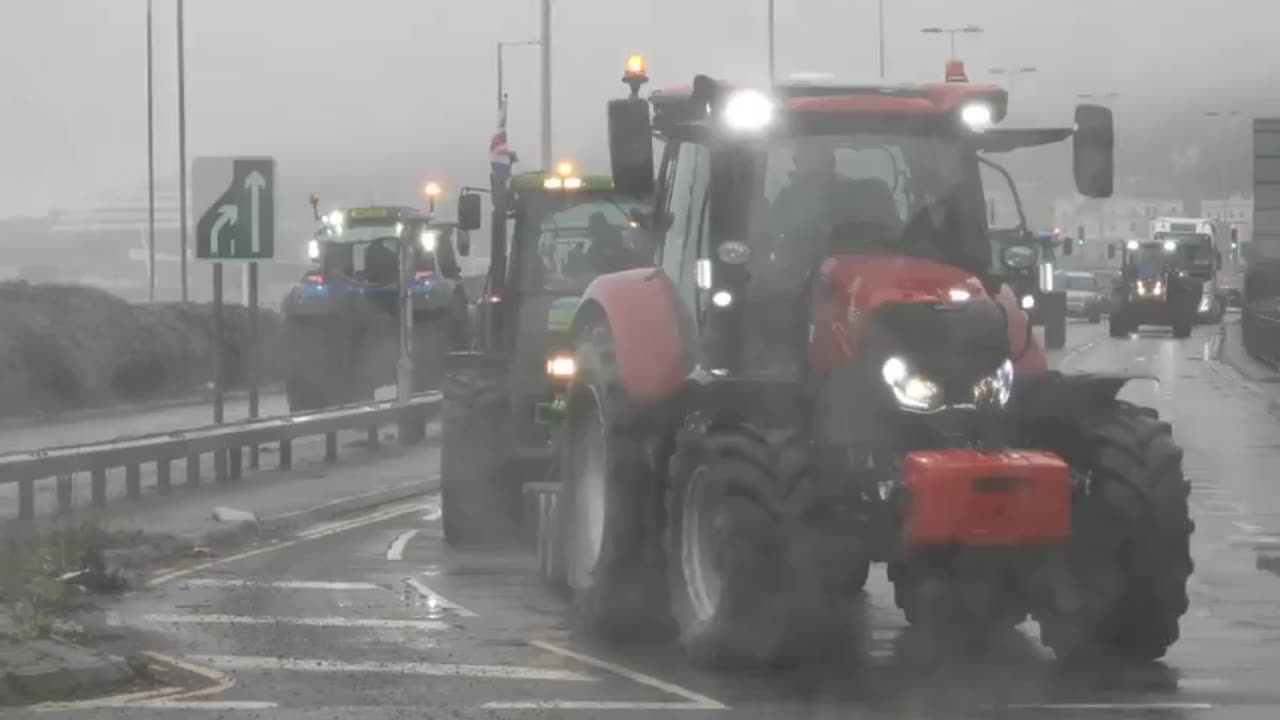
<point>227,215</point>
<point>256,183</point>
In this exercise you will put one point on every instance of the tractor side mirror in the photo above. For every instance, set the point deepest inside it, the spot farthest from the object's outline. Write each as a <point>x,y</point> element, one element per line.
<point>1018,257</point>
<point>631,146</point>
<point>468,212</point>
<point>1111,251</point>
<point>464,242</point>
<point>1068,246</point>
<point>1093,151</point>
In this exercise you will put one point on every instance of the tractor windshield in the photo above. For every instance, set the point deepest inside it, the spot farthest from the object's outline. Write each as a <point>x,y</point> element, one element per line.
<point>1193,251</point>
<point>894,194</point>
<point>569,239</point>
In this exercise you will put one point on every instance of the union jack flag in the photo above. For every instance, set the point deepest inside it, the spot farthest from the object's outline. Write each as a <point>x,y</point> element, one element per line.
<point>501,157</point>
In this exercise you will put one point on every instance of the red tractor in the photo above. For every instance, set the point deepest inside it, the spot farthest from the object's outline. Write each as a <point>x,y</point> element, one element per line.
<point>824,368</point>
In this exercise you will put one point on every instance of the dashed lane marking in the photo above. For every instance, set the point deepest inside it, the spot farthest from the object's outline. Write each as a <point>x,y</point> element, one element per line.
<point>396,550</point>
<point>313,533</point>
<point>436,601</point>
<point>319,665</point>
<point>693,700</point>
<point>218,619</point>
<point>281,584</point>
<point>1113,706</point>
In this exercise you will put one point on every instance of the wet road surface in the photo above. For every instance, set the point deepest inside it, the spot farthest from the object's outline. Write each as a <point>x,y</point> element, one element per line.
<point>375,618</point>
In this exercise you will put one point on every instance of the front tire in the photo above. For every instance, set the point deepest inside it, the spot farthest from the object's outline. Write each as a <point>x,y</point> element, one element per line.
<point>1123,588</point>
<point>607,507</point>
<point>478,503</point>
<point>1117,327</point>
<point>744,589</point>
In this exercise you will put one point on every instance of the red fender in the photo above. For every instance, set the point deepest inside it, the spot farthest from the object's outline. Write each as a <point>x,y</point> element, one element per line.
<point>643,311</point>
<point>1024,347</point>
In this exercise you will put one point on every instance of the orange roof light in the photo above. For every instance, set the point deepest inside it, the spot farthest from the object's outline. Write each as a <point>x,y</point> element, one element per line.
<point>432,189</point>
<point>564,168</point>
<point>955,71</point>
<point>635,65</point>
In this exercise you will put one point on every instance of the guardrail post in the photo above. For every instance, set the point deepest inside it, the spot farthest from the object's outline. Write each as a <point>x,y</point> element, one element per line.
<point>64,489</point>
<point>331,447</point>
<point>255,456</point>
<point>413,427</point>
<point>27,499</point>
<point>98,487</point>
<point>286,454</point>
<point>193,470</point>
<point>133,481</point>
<point>164,479</point>
<point>220,465</point>
<point>234,459</point>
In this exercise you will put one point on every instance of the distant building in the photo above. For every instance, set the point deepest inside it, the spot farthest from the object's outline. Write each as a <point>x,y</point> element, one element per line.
<point>1236,210</point>
<point>1095,222</point>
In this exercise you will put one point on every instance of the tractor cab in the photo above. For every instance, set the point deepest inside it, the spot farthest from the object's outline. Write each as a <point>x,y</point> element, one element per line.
<point>765,198</point>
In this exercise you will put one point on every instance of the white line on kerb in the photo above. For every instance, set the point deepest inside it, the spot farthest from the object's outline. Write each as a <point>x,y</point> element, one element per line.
<point>281,584</point>
<point>436,600</point>
<point>693,700</point>
<point>396,551</point>
<point>318,665</point>
<point>215,619</point>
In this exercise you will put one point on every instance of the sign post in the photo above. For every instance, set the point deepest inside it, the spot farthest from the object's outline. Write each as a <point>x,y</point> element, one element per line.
<point>235,201</point>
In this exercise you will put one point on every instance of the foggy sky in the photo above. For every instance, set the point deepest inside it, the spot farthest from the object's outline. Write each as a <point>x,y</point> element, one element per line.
<point>354,88</point>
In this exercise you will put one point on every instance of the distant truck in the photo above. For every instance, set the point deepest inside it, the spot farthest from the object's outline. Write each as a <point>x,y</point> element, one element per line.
<point>1202,239</point>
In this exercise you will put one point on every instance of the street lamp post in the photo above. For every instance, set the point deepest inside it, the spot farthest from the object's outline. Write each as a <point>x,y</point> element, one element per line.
<point>772,67</point>
<point>880,18</point>
<point>506,44</point>
<point>151,169</point>
<point>545,43</point>
<point>182,161</point>
<point>1012,73</point>
<point>969,29</point>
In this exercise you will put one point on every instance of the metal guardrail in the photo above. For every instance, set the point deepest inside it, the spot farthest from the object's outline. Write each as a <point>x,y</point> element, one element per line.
<point>1260,327</point>
<point>227,443</point>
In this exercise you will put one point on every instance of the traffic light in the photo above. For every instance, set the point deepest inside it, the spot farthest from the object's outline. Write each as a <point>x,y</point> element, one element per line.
<point>1080,234</point>
<point>1235,238</point>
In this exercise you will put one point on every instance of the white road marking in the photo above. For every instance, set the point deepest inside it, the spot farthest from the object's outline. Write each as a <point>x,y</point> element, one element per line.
<point>436,600</point>
<point>694,701</point>
<point>1248,528</point>
<point>593,705</point>
<point>396,551</point>
<point>281,584</point>
<point>216,619</point>
<point>311,534</point>
<point>1112,706</point>
<point>203,705</point>
<point>507,672</point>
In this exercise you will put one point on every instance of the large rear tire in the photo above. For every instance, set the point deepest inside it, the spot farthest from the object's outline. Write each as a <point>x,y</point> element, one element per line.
<point>1124,585</point>
<point>608,506</point>
<point>479,504</point>
<point>744,588</point>
<point>1117,327</point>
<point>1182,327</point>
<point>1055,320</point>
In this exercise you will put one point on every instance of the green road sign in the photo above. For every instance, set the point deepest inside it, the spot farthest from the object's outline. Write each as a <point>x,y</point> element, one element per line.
<point>235,201</point>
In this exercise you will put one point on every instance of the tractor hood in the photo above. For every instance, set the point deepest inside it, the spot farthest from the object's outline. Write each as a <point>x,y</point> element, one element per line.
<point>869,281</point>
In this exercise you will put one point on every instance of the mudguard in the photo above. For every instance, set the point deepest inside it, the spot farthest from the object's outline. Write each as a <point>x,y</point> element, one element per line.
<point>652,332</point>
<point>1053,395</point>
<point>1028,357</point>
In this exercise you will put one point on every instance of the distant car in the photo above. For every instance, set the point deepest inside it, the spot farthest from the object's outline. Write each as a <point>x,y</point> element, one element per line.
<point>1084,294</point>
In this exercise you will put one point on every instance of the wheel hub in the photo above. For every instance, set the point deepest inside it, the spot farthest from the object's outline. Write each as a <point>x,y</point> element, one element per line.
<point>698,542</point>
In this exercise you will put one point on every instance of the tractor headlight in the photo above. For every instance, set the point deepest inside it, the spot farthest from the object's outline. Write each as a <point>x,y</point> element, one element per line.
<point>1028,302</point>
<point>978,116</point>
<point>313,249</point>
<point>561,367</point>
<point>748,111</point>
<point>913,391</point>
<point>428,240</point>
<point>1206,303</point>
<point>997,386</point>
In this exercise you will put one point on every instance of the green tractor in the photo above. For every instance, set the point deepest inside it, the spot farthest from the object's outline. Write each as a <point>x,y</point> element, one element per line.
<point>1030,275</point>
<point>341,319</point>
<point>552,233</point>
